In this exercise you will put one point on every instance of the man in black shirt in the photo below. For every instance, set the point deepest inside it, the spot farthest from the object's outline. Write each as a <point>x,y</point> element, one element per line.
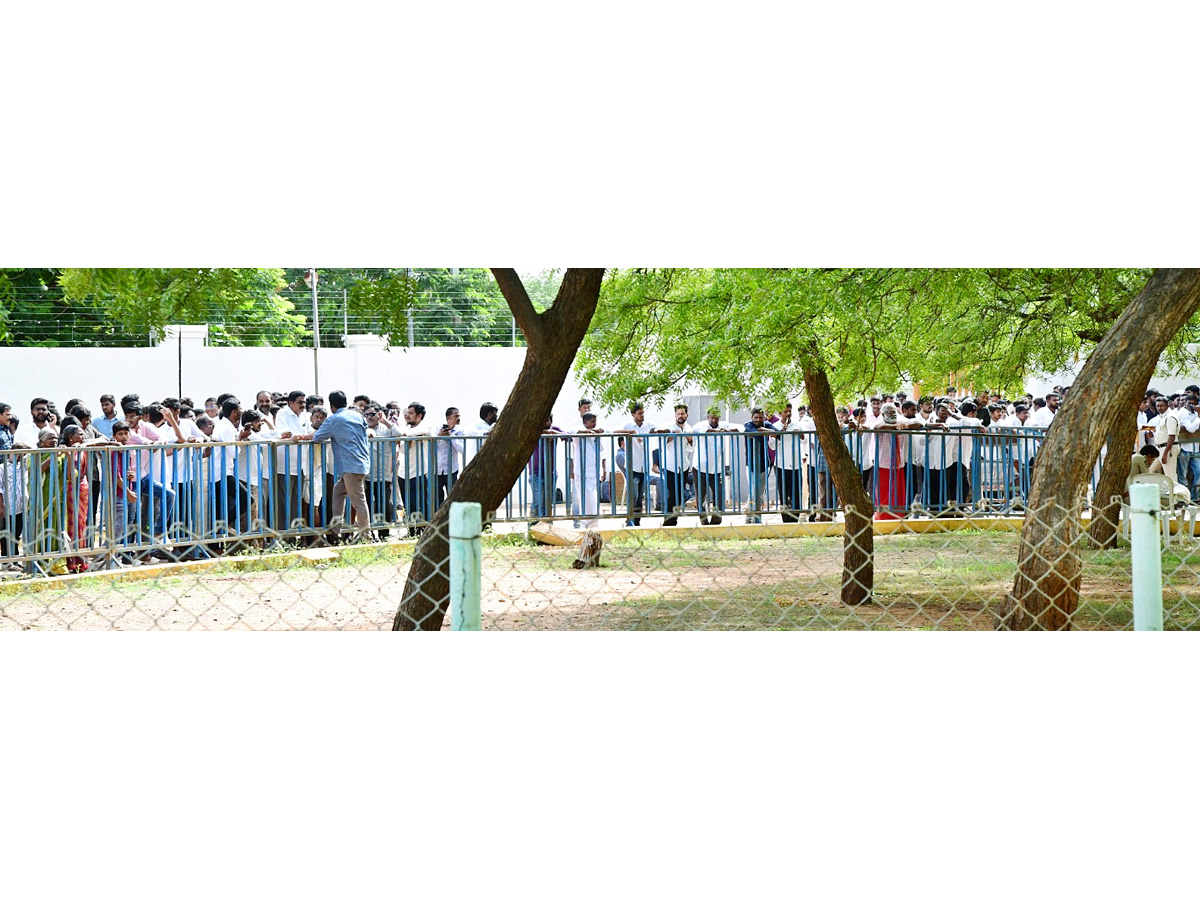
<point>756,462</point>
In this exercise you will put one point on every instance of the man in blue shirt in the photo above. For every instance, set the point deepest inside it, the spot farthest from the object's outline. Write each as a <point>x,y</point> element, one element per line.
<point>105,423</point>
<point>347,430</point>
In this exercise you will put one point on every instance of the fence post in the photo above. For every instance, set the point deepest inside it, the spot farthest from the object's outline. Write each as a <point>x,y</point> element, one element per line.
<point>1144,536</point>
<point>466,566</point>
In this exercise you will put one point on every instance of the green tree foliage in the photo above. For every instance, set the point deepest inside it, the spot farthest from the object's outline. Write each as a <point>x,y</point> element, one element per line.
<point>744,333</point>
<point>460,306</point>
<point>448,307</point>
<point>240,306</point>
<point>128,307</point>
<point>542,287</point>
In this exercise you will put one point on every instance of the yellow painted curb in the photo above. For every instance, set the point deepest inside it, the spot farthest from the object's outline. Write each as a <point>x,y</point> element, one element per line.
<point>311,557</point>
<point>560,535</point>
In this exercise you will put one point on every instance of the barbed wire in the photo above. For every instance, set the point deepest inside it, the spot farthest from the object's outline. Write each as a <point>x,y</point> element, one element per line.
<point>482,321</point>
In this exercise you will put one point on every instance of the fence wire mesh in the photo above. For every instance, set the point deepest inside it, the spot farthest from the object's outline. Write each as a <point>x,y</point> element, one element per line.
<point>949,574</point>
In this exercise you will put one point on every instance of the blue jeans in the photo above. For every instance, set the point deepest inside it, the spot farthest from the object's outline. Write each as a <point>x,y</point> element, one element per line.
<point>758,495</point>
<point>542,490</point>
<point>636,496</point>
<point>158,504</point>
<point>1188,470</point>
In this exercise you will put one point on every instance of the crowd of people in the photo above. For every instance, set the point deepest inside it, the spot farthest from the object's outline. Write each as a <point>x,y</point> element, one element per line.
<point>1168,441</point>
<point>171,477</point>
<point>942,455</point>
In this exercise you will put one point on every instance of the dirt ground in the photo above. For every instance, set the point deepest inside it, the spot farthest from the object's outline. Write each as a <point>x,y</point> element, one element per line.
<point>953,582</point>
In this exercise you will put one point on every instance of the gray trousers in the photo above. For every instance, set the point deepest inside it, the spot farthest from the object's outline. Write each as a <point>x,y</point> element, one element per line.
<point>351,485</point>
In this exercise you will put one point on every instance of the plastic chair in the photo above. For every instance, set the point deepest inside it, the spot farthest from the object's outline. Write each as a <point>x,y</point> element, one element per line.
<point>1169,508</point>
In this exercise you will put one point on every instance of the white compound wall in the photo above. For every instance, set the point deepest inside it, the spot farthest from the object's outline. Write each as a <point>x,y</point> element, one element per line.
<point>438,377</point>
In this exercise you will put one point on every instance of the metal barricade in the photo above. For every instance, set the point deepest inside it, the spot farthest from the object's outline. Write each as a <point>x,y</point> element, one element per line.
<point>74,509</point>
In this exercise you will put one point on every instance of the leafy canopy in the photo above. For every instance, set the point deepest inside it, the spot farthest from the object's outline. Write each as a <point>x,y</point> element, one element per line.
<point>234,303</point>
<point>745,333</point>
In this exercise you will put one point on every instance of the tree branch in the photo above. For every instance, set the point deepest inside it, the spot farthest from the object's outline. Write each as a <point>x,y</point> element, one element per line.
<point>521,306</point>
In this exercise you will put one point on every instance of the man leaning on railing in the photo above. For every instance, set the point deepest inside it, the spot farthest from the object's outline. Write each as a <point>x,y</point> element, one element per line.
<point>346,429</point>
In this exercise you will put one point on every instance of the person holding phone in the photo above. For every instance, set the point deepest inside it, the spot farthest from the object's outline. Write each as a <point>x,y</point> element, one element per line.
<point>450,448</point>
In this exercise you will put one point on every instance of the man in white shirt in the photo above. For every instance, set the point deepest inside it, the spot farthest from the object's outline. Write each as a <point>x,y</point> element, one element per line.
<point>1145,412</point>
<point>450,447</point>
<point>960,454</point>
<point>230,502</point>
<point>1188,464</point>
<point>808,427</point>
<point>789,465</point>
<point>155,468</point>
<point>935,458</point>
<point>262,405</point>
<point>292,420</point>
<point>40,417</point>
<point>925,419</point>
<point>713,456</point>
<point>254,467</point>
<point>381,479</point>
<point>677,462</point>
<point>1025,443</point>
<point>867,443</point>
<point>1042,415</point>
<point>637,452</point>
<point>474,436</point>
<point>488,414</point>
<point>587,469</point>
<point>875,412</point>
<point>996,467</point>
<point>417,464</point>
<point>182,465</point>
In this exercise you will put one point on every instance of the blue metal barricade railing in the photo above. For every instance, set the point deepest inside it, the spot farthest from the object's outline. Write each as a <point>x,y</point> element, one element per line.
<point>71,509</point>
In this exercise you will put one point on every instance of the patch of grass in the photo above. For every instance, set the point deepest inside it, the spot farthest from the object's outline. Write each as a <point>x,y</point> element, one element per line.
<point>659,579</point>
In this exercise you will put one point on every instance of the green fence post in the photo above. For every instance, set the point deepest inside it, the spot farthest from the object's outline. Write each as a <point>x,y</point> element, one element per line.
<point>1146,554</point>
<point>466,566</point>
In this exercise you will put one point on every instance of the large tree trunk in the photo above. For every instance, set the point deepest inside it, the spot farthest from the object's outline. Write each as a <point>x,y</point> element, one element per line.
<point>858,544</point>
<point>553,337</point>
<point>1046,590</point>
<point>1106,504</point>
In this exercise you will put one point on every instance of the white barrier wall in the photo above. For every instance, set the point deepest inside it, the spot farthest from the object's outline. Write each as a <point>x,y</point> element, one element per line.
<point>438,377</point>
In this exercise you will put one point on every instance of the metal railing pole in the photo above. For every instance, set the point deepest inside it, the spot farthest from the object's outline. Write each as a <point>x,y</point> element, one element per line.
<point>466,566</point>
<point>1146,556</point>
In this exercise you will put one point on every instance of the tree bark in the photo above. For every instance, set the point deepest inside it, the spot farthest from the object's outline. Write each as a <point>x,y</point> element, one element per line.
<point>1046,590</point>
<point>858,543</point>
<point>553,337</point>
<point>1106,511</point>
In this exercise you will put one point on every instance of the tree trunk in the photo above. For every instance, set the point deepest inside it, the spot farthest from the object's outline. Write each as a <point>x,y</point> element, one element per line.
<point>858,543</point>
<point>1106,511</point>
<point>553,337</point>
<point>1046,590</point>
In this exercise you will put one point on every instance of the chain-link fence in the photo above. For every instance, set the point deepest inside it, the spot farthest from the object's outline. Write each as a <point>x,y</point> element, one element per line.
<point>953,574</point>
